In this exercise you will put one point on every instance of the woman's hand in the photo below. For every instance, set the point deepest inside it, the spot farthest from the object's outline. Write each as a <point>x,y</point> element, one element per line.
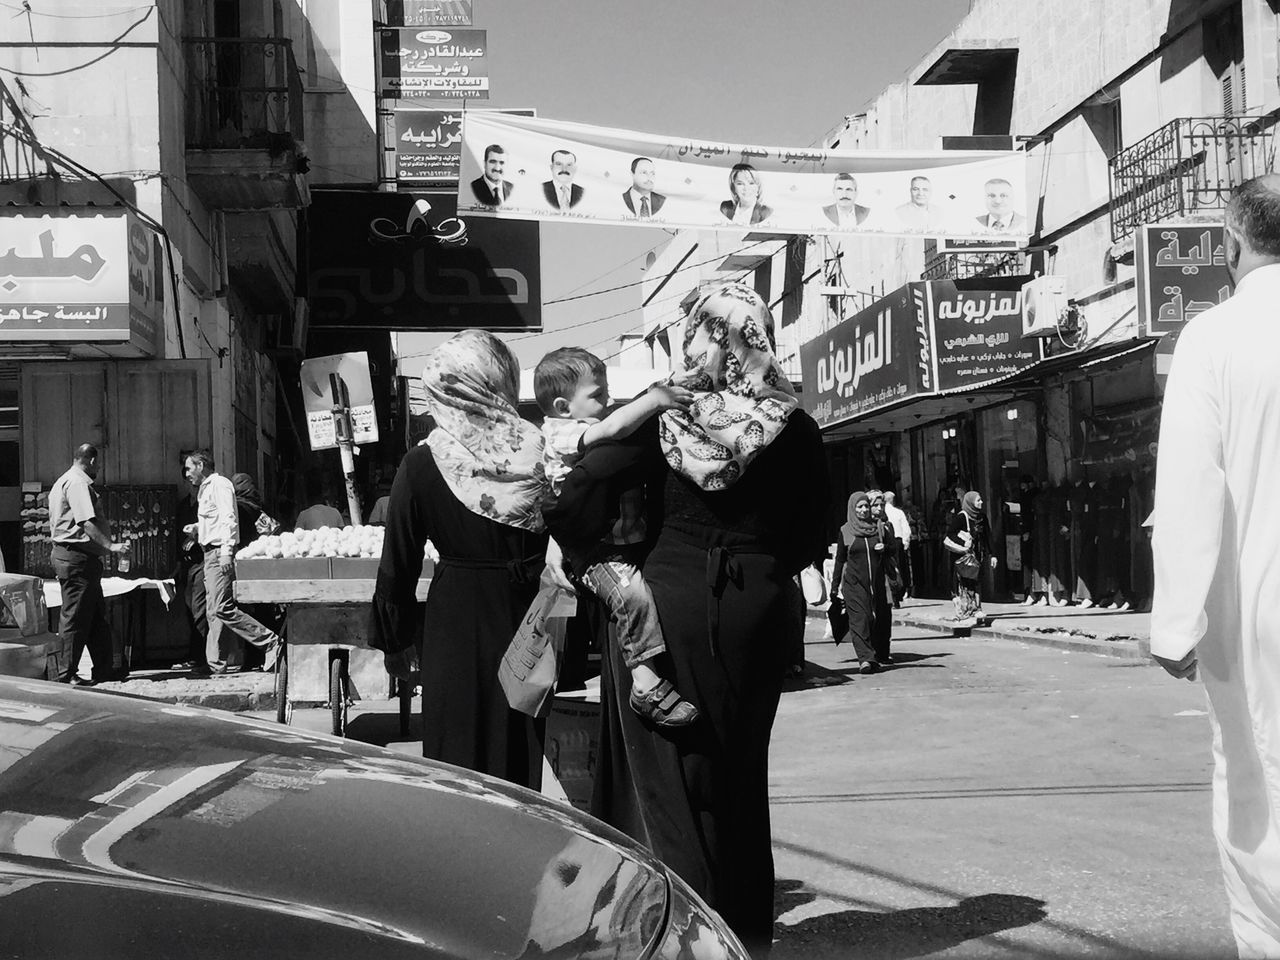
<point>555,566</point>
<point>404,664</point>
<point>994,562</point>
<point>879,546</point>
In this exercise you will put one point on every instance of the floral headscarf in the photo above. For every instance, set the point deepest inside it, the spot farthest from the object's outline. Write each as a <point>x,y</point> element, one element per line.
<point>744,400</point>
<point>490,458</point>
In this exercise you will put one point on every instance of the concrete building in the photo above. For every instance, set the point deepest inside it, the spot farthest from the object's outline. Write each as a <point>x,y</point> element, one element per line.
<point>156,167</point>
<point>1130,113</point>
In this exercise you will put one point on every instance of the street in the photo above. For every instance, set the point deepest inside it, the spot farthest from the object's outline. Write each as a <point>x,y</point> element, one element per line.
<point>983,798</point>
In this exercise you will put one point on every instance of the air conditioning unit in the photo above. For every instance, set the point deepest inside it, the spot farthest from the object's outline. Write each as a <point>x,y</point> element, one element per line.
<point>1044,302</point>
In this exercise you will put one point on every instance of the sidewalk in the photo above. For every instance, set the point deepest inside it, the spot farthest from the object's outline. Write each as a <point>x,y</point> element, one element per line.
<point>1112,633</point>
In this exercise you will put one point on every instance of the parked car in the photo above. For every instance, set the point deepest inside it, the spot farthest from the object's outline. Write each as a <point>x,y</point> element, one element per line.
<point>132,828</point>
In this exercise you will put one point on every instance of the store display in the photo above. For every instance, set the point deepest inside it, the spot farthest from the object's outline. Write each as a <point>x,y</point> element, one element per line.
<point>141,515</point>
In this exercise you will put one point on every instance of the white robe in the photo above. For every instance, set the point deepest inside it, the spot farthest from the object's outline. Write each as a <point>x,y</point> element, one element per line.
<point>1217,576</point>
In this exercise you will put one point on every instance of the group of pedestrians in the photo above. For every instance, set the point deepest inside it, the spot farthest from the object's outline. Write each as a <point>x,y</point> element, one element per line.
<point>717,561</point>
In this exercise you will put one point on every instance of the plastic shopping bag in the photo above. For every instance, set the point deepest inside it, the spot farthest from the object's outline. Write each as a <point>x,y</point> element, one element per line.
<point>530,666</point>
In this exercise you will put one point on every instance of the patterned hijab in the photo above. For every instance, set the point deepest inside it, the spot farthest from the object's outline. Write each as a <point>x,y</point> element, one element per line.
<point>743,399</point>
<point>855,525</point>
<point>490,458</point>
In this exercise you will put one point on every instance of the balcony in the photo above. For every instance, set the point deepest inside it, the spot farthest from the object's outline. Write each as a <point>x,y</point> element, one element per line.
<point>971,266</point>
<point>244,123</point>
<point>1188,166</point>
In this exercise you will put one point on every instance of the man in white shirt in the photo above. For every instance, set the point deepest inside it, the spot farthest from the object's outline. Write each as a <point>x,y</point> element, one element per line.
<point>217,530</point>
<point>897,518</point>
<point>1215,544</point>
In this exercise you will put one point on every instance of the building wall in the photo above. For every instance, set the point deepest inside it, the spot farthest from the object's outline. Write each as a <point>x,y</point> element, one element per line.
<point>1073,58</point>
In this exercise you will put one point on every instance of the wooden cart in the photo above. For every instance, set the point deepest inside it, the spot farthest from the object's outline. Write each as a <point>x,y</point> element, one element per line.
<point>327,658</point>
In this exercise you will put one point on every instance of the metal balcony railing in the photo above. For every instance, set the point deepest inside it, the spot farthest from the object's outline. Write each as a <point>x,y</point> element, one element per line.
<point>242,94</point>
<point>967,266</point>
<point>21,157</point>
<point>1189,165</point>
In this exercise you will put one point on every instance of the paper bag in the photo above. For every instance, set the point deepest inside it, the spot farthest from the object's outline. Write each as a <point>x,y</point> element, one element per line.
<point>530,666</point>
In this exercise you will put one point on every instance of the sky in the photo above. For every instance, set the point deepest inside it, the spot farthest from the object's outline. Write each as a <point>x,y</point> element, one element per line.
<point>772,72</point>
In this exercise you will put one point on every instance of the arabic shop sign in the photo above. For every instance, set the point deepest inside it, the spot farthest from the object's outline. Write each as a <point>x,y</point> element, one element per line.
<point>428,13</point>
<point>977,336</point>
<point>432,64</point>
<point>81,276</point>
<point>1182,271</point>
<point>378,263</point>
<point>428,145</point>
<point>867,362</point>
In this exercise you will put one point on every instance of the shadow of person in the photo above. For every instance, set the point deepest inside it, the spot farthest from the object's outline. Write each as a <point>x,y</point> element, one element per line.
<point>789,894</point>
<point>816,677</point>
<point>382,729</point>
<point>899,934</point>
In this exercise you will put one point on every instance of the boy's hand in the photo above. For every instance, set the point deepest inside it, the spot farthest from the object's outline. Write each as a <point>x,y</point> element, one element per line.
<point>671,397</point>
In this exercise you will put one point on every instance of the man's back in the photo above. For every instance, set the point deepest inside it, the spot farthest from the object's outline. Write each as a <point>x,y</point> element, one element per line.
<point>1217,521</point>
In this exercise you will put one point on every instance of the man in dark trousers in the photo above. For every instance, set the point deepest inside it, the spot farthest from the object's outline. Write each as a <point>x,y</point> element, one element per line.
<point>80,539</point>
<point>190,582</point>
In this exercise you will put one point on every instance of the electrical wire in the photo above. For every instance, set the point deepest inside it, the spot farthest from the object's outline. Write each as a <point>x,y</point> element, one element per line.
<point>73,16</point>
<point>113,44</point>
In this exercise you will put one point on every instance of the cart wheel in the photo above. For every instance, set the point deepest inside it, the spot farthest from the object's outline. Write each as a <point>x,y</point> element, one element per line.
<point>338,695</point>
<point>405,690</point>
<point>282,687</point>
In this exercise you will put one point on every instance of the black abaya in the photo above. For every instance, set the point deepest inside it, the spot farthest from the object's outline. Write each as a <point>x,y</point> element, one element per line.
<point>862,572</point>
<point>483,584</point>
<point>719,570</point>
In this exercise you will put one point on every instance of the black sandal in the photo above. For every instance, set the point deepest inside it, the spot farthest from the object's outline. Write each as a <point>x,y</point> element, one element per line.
<point>663,706</point>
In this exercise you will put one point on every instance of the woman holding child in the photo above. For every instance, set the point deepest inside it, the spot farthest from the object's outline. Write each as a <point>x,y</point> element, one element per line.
<point>474,489</point>
<point>736,495</point>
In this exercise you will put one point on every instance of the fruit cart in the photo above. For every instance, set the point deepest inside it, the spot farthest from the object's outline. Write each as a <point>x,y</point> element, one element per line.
<point>327,658</point>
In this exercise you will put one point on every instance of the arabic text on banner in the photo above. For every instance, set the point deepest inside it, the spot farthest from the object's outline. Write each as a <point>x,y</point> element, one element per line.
<point>432,63</point>
<point>1182,272</point>
<point>429,144</point>
<point>553,170</point>
<point>977,336</point>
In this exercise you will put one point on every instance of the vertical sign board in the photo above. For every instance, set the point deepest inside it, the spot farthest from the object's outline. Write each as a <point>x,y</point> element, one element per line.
<point>428,13</point>
<point>977,335</point>
<point>428,145</point>
<point>317,398</point>
<point>1182,271</point>
<point>866,363</point>
<point>432,63</point>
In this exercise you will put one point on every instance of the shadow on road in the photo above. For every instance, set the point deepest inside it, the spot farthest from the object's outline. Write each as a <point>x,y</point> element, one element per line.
<point>899,934</point>
<point>381,729</point>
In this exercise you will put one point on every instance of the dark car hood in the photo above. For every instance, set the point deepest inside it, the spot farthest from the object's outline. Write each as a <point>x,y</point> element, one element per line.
<point>218,826</point>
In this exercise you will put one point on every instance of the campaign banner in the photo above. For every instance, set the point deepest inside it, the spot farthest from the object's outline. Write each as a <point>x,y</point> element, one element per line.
<point>976,335</point>
<point>427,13</point>
<point>868,362</point>
<point>1182,272</point>
<point>529,168</point>
<point>432,64</point>
<point>428,145</point>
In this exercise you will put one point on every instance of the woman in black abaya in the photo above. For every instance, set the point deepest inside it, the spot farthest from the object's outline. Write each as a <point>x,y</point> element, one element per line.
<point>738,508</point>
<point>864,557</point>
<point>473,488</point>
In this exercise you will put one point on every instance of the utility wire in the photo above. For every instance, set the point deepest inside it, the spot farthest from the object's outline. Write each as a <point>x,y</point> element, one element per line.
<point>112,44</point>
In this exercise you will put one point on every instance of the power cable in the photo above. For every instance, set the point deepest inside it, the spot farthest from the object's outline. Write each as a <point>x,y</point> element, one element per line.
<point>27,8</point>
<point>113,44</point>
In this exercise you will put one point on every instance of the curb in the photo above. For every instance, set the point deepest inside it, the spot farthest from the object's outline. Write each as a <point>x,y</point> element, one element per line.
<point>1125,648</point>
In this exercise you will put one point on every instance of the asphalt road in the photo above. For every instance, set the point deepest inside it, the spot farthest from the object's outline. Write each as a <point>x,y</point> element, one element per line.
<point>982,798</point>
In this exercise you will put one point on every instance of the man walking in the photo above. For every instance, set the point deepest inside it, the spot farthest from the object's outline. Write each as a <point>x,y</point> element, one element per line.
<point>1217,533</point>
<point>189,579</point>
<point>217,530</point>
<point>80,539</point>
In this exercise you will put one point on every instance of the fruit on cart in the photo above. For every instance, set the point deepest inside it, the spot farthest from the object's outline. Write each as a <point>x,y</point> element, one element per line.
<point>348,541</point>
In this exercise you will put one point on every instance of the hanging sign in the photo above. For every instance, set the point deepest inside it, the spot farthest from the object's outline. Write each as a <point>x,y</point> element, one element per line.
<point>432,64</point>
<point>1182,272</point>
<point>428,145</point>
<point>528,168</point>
<point>977,335</point>
<point>428,13</point>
